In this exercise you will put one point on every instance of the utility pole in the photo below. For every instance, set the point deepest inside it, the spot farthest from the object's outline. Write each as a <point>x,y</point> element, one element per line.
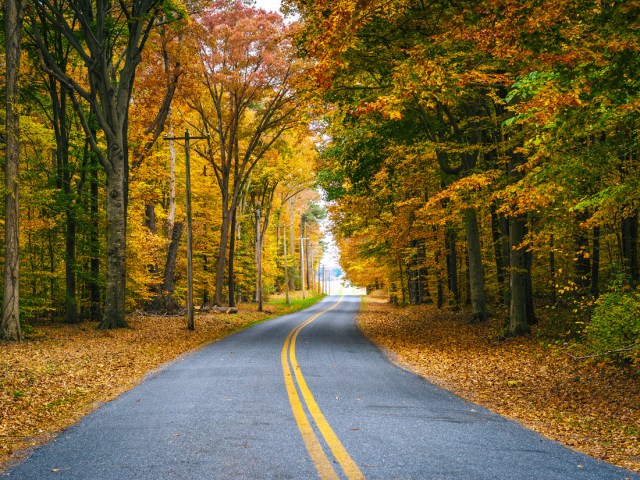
<point>286,266</point>
<point>259,259</point>
<point>302,262</point>
<point>186,138</point>
<point>291,242</point>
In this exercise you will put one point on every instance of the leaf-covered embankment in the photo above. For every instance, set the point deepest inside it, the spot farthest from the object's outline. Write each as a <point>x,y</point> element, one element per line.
<point>54,378</point>
<point>590,407</point>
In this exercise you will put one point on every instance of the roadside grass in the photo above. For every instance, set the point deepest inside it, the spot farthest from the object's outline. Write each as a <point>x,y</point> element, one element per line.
<point>590,406</point>
<point>60,373</point>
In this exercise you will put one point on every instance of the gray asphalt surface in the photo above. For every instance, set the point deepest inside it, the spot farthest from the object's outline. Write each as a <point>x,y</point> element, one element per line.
<point>223,413</point>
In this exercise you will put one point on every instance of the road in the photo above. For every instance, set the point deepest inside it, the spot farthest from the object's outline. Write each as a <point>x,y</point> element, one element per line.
<point>302,396</point>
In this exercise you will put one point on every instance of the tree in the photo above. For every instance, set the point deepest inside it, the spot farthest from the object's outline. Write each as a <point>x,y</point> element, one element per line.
<point>246,98</point>
<point>10,325</point>
<point>110,46</point>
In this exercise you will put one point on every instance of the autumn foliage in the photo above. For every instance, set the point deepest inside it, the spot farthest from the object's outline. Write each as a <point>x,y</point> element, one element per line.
<point>483,153</point>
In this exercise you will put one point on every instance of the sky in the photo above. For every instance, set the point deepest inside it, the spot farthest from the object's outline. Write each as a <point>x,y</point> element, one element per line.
<point>271,5</point>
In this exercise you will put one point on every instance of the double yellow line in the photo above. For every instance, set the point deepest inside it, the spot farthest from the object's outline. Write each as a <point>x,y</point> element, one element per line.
<point>316,452</point>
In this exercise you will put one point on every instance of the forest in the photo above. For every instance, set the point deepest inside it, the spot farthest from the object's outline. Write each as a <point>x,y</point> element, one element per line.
<point>104,95</point>
<point>484,155</point>
<point>475,161</point>
<point>475,154</point>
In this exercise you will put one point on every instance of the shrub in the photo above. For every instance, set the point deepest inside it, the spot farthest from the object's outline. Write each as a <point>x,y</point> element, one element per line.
<point>615,324</point>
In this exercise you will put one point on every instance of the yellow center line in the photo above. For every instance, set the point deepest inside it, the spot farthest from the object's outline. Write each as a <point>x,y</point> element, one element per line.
<point>320,460</point>
<point>314,448</point>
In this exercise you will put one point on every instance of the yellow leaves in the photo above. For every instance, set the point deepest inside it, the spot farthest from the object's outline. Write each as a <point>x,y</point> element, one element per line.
<point>387,105</point>
<point>464,193</point>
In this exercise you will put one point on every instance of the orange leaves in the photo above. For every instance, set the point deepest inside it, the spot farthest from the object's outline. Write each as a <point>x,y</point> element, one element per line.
<point>52,379</point>
<point>465,192</point>
<point>593,408</point>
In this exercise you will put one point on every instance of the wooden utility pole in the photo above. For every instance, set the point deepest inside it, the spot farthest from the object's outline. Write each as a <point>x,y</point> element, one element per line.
<point>187,138</point>
<point>259,260</point>
<point>302,262</point>
<point>286,266</point>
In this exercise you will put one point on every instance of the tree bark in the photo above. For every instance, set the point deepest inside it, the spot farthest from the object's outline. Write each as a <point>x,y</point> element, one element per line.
<point>630,248</point>
<point>232,251</point>
<point>258,261</point>
<point>582,264</point>
<point>70,307</point>
<point>452,267</point>
<point>114,309</point>
<point>518,323</point>
<point>552,270</point>
<point>94,239</point>
<point>423,274</point>
<point>531,314</point>
<point>476,270</point>
<point>168,285</point>
<point>286,266</point>
<point>500,235</point>
<point>222,253</point>
<point>595,262</point>
<point>10,325</point>
<point>412,275</point>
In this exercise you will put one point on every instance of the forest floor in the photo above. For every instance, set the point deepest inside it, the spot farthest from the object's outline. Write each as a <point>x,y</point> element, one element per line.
<point>61,372</point>
<point>590,406</point>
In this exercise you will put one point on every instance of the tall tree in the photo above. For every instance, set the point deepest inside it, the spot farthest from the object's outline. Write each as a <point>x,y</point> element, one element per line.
<point>112,37</point>
<point>246,100</point>
<point>10,325</point>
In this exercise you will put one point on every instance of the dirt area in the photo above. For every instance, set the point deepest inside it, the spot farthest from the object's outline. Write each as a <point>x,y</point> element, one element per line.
<point>590,406</point>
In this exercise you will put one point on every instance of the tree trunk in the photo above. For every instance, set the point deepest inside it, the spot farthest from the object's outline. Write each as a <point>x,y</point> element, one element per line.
<point>582,264</point>
<point>630,248</point>
<point>259,263</point>
<point>452,267</point>
<point>301,254</point>
<point>425,294</point>
<point>412,275</point>
<point>232,252</point>
<point>114,309</point>
<point>168,285</point>
<point>402,284</point>
<point>222,255</point>
<point>531,314</point>
<point>70,307</point>
<point>500,235</point>
<point>476,270</point>
<point>517,277</point>
<point>286,267</point>
<point>552,270</point>
<point>94,239</point>
<point>10,325</point>
<point>171,217</point>
<point>150,218</point>
<point>595,262</point>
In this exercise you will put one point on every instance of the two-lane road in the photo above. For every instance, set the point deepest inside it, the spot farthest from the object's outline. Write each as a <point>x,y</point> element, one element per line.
<point>301,396</point>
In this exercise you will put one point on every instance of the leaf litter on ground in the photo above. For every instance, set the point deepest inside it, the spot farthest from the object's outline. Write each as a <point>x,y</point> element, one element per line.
<point>592,407</point>
<point>55,377</point>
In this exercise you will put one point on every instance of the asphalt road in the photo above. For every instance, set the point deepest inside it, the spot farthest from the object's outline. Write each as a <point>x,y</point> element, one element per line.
<point>302,396</point>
